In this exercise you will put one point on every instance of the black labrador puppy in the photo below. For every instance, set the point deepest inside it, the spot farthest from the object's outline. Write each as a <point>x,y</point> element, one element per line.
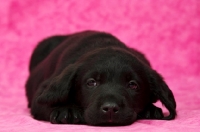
<point>93,78</point>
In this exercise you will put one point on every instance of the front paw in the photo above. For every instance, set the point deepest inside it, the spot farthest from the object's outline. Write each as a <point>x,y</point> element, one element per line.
<point>66,115</point>
<point>152,112</point>
<point>155,113</point>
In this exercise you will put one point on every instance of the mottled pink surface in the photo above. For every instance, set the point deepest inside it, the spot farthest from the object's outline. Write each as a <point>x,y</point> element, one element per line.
<point>167,31</point>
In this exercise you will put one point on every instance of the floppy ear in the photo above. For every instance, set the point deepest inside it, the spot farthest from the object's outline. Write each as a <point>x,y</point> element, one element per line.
<point>161,91</point>
<point>56,89</point>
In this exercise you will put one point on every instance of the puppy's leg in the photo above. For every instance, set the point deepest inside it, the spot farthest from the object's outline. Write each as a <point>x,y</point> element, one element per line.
<point>47,107</point>
<point>57,114</point>
<point>151,112</point>
<point>53,100</point>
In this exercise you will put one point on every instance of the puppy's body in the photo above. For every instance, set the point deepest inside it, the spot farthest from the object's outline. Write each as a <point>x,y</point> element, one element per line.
<point>91,77</point>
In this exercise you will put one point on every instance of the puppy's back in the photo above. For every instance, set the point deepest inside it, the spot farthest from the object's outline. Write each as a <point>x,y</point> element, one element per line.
<point>54,54</point>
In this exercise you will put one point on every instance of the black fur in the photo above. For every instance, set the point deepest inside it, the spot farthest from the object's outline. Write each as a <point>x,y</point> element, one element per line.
<point>93,78</point>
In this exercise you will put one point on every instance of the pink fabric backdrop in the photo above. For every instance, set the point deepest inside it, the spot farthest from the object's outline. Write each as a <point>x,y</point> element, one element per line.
<point>167,31</point>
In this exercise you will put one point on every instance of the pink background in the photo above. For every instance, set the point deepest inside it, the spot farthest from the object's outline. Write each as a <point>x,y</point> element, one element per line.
<point>167,31</point>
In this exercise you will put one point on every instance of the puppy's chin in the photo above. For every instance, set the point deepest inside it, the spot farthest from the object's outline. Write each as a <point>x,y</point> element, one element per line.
<point>95,118</point>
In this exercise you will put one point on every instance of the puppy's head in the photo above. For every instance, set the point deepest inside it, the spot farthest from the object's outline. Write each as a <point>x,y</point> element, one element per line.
<point>113,86</point>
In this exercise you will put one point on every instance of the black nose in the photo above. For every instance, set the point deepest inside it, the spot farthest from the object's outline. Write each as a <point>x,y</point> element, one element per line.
<point>111,108</point>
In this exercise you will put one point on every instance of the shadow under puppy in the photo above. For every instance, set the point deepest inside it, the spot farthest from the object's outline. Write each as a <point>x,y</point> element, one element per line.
<point>93,78</point>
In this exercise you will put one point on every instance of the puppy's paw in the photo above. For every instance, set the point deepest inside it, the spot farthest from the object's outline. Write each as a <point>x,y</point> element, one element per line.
<point>152,112</point>
<point>158,114</point>
<point>66,115</point>
<point>155,113</point>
